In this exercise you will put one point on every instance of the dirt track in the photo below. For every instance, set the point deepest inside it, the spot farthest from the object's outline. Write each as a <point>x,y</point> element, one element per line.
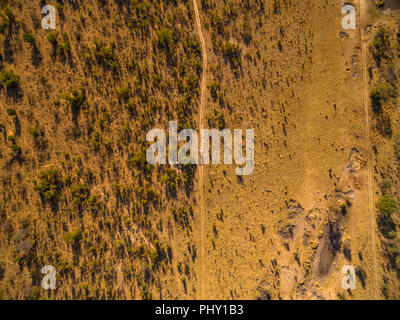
<point>363,8</point>
<point>201,167</point>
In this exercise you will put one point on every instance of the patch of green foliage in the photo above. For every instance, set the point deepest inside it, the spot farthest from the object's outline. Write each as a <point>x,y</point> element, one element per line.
<point>29,38</point>
<point>380,45</point>
<point>64,47</point>
<point>105,54</point>
<point>386,205</point>
<point>73,237</point>
<point>80,193</point>
<point>6,20</point>
<point>52,37</point>
<point>75,98</point>
<point>9,79</point>
<point>49,184</point>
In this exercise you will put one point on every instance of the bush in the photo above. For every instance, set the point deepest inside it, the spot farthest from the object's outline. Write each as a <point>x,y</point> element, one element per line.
<point>380,3</point>
<point>80,193</point>
<point>392,234</point>
<point>75,98</point>
<point>7,18</point>
<point>16,148</point>
<point>52,37</point>
<point>380,45</point>
<point>214,88</point>
<point>64,47</point>
<point>105,54</point>
<point>164,37</point>
<point>49,184</point>
<point>9,79</point>
<point>232,52</point>
<point>381,93</point>
<point>34,132</point>
<point>73,237</point>
<point>386,205</point>
<point>386,184</point>
<point>29,38</point>
<point>11,112</point>
<point>123,92</point>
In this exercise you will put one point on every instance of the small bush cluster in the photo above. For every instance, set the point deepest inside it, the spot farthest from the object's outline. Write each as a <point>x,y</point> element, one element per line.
<point>105,54</point>
<point>63,47</point>
<point>75,98</point>
<point>9,79</point>
<point>6,20</point>
<point>380,45</point>
<point>381,93</point>
<point>232,53</point>
<point>73,237</point>
<point>29,38</point>
<point>49,184</point>
<point>386,205</point>
<point>80,193</point>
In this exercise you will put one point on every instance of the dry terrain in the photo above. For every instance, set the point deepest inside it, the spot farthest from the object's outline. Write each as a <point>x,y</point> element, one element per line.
<point>77,193</point>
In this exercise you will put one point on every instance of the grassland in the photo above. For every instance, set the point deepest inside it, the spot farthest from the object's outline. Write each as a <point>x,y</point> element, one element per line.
<point>76,191</point>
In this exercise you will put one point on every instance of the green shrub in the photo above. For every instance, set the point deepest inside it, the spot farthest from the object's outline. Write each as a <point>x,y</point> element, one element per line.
<point>49,184</point>
<point>386,184</point>
<point>11,112</point>
<point>75,98</point>
<point>84,286</point>
<point>380,45</point>
<point>34,132</point>
<point>80,193</point>
<point>6,20</point>
<point>393,251</point>
<point>386,205</point>
<point>164,37</point>
<point>105,54</point>
<point>52,37</point>
<point>123,93</point>
<point>35,293</point>
<point>64,47</point>
<point>16,148</point>
<point>73,237</point>
<point>9,79</point>
<point>214,88</point>
<point>382,93</point>
<point>392,234</point>
<point>29,38</point>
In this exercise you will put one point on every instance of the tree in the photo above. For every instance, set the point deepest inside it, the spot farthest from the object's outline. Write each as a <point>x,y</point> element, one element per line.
<point>386,205</point>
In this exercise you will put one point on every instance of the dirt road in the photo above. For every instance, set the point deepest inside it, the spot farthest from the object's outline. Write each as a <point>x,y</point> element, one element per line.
<point>201,167</point>
<point>363,11</point>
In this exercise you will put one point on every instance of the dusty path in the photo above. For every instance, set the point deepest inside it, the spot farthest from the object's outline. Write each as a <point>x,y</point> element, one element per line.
<point>201,167</point>
<point>363,10</point>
